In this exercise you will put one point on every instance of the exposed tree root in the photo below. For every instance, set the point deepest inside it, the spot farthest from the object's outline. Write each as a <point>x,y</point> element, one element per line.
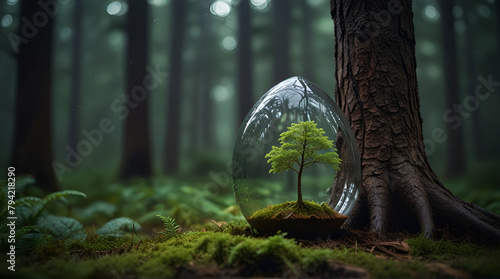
<point>420,204</point>
<point>377,89</point>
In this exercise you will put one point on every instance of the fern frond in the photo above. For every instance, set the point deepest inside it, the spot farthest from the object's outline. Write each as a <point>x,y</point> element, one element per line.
<point>169,225</point>
<point>29,201</point>
<point>24,230</point>
<point>61,195</point>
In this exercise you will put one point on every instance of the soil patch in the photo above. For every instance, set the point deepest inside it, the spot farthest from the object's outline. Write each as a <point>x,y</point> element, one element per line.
<point>308,221</point>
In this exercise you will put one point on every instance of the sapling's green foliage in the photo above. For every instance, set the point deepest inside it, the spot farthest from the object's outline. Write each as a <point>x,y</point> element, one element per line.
<point>299,150</point>
<point>170,225</point>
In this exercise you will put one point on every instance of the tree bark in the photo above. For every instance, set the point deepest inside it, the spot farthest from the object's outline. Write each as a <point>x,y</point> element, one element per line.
<point>455,158</point>
<point>377,90</point>
<point>74,118</point>
<point>174,90</point>
<point>136,160</point>
<point>32,146</point>
<point>245,65</point>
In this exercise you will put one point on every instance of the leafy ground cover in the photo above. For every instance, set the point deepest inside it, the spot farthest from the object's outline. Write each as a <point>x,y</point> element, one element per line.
<point>234,250</point>
<point>117,233</point>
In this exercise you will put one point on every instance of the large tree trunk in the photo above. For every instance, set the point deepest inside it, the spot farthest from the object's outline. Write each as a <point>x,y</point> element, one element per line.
<point>136,159</point>
<point>74,117</point>
<point>377,90</point>
<point>455,158</point>
<point>245,65</point>
<point>174,90</point>
<point>32,147</point>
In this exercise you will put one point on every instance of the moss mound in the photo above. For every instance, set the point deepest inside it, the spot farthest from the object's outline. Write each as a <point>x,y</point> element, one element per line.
<point>305,221</point>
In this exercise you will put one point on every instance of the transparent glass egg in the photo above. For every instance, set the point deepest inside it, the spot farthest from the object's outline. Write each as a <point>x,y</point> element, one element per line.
<point>291,101</point>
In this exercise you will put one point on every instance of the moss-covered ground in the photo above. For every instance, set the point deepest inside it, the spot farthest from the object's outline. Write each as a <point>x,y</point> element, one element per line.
<point>308,209</point>
<point>234,251</point>
<point>215,241</point>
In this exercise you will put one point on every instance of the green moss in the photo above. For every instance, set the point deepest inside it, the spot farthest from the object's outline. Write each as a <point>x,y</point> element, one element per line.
<point>310,209</point>
<point>479,261</point>
<point>485,266</point>
<point>162,257</point>
<point>100,244</point>
<point>442,249</point>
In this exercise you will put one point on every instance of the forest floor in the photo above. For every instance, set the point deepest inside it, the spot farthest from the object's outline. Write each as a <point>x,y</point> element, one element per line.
<point>235,251</point>
<point>115,232</point>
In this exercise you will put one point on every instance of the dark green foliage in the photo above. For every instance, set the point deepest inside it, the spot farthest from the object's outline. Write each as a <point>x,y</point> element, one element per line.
<point>118,227</point>
<point>479,185</point>
<point>60,227</point>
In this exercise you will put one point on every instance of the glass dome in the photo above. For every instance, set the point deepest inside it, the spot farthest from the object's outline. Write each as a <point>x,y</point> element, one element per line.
<point>292,101</point>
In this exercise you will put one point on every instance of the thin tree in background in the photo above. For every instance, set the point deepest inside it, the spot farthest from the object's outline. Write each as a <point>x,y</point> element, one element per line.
<point>455,158</point>
<point>471,75</point>
<point>136,160</point>
<point>171,157</point>
<point>497,6</point>
<point>207,63</point>
<point>74,118</point>
<point>307,53</point>
<point>377,90</point>
<point>32,146</point>
<point>281,63</point>
<point>245,64</point>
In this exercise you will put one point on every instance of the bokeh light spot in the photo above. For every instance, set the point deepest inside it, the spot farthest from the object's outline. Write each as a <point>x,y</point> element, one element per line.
<point>220,8</point>
<point>7,21</point>
<point>229,43</point>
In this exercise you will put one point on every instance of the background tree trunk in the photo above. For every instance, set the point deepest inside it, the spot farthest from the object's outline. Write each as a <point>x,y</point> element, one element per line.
<point>32,146</point>
<point>281,66</point>
<point>136,160</point>
<point>245,65</point>
<point>471,74</point>
<point>455,161</point>
<point>174,90</point>
<point>497,6</point>
<point>377,90</point>
<point>307,57</point>
<point>206,82</point>
<point>76,76</point>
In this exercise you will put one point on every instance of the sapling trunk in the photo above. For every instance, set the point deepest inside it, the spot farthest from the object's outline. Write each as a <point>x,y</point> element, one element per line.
<point>300,201</point>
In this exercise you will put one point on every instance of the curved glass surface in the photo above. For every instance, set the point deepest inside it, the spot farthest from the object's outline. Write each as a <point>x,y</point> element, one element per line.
<point>292,101</point>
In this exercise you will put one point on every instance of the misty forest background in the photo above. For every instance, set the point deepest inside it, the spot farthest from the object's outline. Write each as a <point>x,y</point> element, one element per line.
<point>221,56</point>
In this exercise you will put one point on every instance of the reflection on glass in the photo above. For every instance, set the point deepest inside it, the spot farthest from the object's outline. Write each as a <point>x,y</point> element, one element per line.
<point>292,101</point>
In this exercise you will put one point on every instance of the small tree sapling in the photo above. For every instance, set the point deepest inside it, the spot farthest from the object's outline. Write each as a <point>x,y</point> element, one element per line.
<point>299,150</point>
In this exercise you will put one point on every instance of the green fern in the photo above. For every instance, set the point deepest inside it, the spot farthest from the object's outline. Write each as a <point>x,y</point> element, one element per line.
<point>36,205</point>
<point>170,225</point>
